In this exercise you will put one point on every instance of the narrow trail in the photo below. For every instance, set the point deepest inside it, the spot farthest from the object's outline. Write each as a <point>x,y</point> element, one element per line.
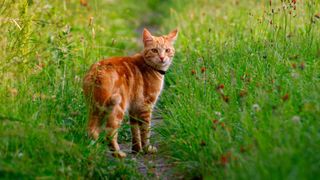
<point>150,165</point>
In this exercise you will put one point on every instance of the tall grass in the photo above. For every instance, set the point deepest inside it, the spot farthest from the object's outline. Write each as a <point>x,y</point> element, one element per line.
<point>45,48</point>
<point>242,98</point>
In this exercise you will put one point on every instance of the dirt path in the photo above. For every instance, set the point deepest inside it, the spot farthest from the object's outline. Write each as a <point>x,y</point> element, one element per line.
<point>150,165</point>
<point>153,166</point>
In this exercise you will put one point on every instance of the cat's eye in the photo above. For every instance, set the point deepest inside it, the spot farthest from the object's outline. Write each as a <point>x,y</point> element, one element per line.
<point>168,50</point>
<point>154,50</point>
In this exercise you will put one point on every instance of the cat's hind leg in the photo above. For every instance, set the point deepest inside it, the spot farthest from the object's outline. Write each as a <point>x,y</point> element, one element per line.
<point>113,123</point>
<point>94,123</point>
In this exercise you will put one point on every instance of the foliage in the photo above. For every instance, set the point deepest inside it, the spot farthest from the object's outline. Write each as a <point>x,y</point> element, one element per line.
<point>242,99</point>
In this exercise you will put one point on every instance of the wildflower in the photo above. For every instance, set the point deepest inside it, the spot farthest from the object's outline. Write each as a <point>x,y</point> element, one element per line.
<point>256,107</point>
<point>221,86</point>
<point>193,72</point>
<point>203,143</point>
<point>223,160</point>
<point>296,119</point>
<point>294,1</point>
<point>215,121</point>
<point>203,69</point>
<point>84,2</point>
<point>222,124</point>
<point>294,65</point>
<point>295,75</point>
<point>225,98</point>
<point>272,81</point>
<point>243,93</point>
<point>285,97</point>
<point>302,66</point>
<point>217,113</point>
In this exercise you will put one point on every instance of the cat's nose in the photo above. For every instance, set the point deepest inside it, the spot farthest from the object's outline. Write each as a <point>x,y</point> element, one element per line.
<point>161,58</point>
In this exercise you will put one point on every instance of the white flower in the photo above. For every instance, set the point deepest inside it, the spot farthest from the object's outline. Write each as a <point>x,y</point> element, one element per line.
<point>217,113</point>
<point>296,119</point>
<point>256,107</point>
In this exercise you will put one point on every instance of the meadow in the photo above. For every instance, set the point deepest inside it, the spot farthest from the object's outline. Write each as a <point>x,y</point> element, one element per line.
<point>241,100</point>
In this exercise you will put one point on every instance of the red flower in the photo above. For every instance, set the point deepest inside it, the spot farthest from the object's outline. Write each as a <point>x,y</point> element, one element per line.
<point>221,86</point>
<point>223,160</point>
<point>302,66</point>
<point>285,97</point>
<point>215,121</point>
<point>193,72</point>
<point>294,1</point>
<point>83,2</point>
<point>203,69</point>
<point>225,98</point>
<point>243,93</point>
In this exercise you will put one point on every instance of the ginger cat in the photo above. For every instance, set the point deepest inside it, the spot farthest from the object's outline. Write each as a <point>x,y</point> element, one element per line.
<point>128,84</point>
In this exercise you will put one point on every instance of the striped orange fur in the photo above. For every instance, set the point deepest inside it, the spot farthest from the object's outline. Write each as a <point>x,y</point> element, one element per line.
<point>128,84</point>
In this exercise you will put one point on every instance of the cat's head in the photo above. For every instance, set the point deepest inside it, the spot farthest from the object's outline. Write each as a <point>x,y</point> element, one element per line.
<point>159,51</point>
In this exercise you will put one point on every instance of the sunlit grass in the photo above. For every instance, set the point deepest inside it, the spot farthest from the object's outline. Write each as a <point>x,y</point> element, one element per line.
<point>46,47</point>
<point>241,100</point>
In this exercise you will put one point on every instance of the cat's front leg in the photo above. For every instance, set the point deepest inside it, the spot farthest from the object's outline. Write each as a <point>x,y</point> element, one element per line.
<point>145,124</point>
<point>135,132</point>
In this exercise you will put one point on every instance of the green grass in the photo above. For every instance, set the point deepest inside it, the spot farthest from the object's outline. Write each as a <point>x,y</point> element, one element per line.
<point>46,47</point>
<point>253,113</point>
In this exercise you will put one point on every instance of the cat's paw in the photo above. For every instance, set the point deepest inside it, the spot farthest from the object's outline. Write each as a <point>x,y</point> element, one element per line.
<point>150,149</point>
<point>119,154</point>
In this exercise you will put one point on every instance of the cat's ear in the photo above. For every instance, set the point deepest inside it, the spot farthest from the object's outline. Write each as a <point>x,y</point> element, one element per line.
<point>172,36</point>
<point>147,37</point>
